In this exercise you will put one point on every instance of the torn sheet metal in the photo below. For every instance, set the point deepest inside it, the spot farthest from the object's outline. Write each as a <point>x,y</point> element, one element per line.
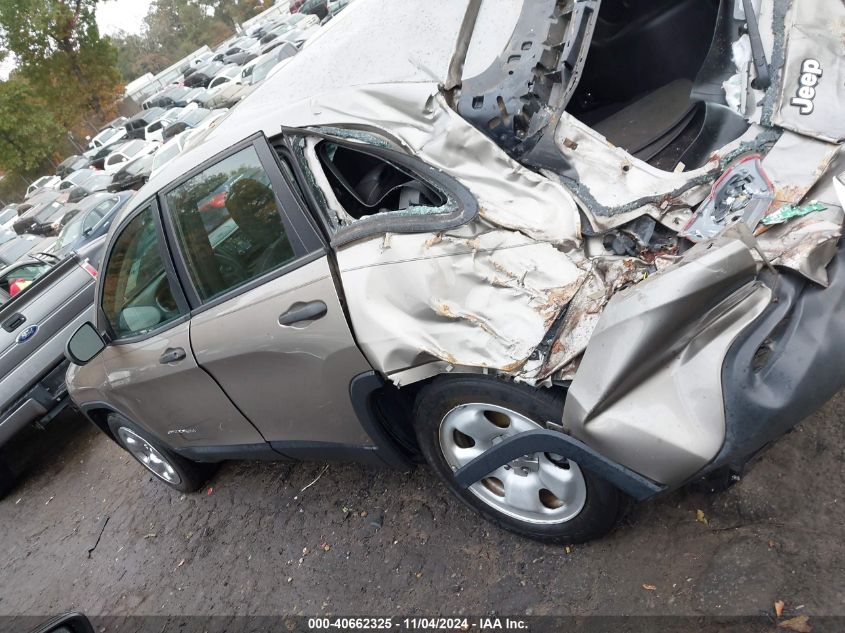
<point>480,296</point>
<point>495,293</point>
<point>663,341</point>
<point>416,118</point>
<point>737,86</point>
<point>795,164</point>
<point>615,188</point>
<point>807,244</point>
<point>607,275</point>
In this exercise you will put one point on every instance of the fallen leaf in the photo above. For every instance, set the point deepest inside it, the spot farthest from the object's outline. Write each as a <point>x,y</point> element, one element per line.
<point>150,535</point>
<point>699,516</point>
<point>568,549</point>
<point>779,605</point>
<point>210,491</point>
<point>798,624</point>
<point>772,544</point>
<point>363,513</point>
<point>326,547</point>
<point>649,587</point>
<point>419,574</point>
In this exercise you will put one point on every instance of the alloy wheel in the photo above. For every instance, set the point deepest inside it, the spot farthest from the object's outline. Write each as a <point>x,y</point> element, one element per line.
<point>542,488</point>
<point>149,456</point>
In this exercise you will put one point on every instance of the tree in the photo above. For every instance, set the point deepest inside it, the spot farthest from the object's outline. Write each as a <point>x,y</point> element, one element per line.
<point>176,28</point>
<point>29,135</point>
<point>234,12</point>
<point>62,56</point>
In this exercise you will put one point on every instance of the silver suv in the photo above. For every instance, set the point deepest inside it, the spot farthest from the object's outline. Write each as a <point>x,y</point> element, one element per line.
<point>437,251</point>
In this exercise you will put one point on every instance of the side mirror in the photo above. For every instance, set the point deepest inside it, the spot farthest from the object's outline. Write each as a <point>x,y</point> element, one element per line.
<point>68,623</point>
<point>84,345</point>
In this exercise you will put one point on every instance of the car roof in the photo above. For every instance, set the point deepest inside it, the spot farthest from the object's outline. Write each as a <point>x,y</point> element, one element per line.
<point>229,70</point>
<point>93,200</point>
<point>147,114</point>
<point>325,68</point>
<point>44,196</point>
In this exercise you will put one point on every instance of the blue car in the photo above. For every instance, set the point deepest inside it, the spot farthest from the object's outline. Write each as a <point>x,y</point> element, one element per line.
<point>91,220</point>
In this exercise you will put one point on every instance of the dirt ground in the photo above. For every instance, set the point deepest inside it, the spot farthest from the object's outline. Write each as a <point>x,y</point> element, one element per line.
<point>366,542</point>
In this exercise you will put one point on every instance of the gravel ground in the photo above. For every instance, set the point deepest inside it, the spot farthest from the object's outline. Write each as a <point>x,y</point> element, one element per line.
<point>362,541</point>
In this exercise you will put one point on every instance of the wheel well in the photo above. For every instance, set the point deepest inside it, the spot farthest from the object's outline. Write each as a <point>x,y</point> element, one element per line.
<point>395,405</point>
<point>394,408</point>
<point>99,418</point>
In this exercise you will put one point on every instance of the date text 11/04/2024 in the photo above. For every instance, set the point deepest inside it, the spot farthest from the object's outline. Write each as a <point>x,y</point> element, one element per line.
<point>418,624</point>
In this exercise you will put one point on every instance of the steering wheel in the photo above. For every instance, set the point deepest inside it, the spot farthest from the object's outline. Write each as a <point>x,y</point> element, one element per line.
<point>232,269</point>
<point>164,298</point>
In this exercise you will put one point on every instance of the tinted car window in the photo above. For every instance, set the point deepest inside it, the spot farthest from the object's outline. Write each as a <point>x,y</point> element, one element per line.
<point>136,292</point>
<point>16,281</point>
<point>228,225</point>
<point>70,233</point>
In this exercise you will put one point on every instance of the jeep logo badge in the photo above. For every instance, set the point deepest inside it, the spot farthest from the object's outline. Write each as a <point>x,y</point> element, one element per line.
<point>811,71</point>
<point>27,334</point>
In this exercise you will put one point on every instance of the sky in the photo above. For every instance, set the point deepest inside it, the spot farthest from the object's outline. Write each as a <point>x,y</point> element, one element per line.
<point>112,16</point>
<point>121,15</point>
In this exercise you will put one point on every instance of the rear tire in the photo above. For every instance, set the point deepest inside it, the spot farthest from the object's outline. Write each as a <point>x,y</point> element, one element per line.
<point>518,496</point>
<point>174,470</point>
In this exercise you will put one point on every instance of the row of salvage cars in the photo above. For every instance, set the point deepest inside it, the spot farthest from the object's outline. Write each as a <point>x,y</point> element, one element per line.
<point>51,244</point>
<point>564,259</point>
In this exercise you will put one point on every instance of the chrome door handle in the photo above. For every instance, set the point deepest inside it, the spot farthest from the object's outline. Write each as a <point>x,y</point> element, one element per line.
<point>310,311</point>
<point>172,355</point>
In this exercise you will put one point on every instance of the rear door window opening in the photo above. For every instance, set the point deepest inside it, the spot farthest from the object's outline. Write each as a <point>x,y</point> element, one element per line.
<point>360,187</point>
<point>365,185</point>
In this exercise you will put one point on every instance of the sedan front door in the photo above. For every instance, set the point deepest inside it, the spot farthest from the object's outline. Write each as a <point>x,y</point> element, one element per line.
<point>267,320</point>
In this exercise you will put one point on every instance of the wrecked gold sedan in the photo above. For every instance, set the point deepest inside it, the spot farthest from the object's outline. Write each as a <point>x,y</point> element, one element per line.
<point>571,252</point>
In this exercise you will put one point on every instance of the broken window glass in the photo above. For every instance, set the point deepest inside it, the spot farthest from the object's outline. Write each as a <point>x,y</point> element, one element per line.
<point>366,185</point>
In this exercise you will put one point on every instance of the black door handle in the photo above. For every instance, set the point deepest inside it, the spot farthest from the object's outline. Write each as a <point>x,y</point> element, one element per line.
<point>14,322</point>
<point>310,311</point>
<point>172,355</point>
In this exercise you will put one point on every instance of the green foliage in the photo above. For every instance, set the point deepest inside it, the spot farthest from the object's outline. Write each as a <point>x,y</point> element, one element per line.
<point>66,76</point>
<point>61,54</point>
<point>175,28</point>
<point>28,133</point>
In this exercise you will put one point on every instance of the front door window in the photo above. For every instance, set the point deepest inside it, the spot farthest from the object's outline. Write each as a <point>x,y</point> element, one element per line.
<point>137,297</point>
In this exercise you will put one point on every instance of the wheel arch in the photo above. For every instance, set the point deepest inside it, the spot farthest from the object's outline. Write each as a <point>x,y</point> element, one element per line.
<point>98,414</point>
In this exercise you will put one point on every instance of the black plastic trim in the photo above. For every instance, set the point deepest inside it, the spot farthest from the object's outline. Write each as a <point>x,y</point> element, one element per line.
<point>785,365</point>
<point>548,441</point>
<point>304,451</point>
<point>361,390</point>
<point>212,454</point>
